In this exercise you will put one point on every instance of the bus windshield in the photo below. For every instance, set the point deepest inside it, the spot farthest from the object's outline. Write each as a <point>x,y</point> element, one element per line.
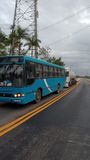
<point>67,73</point>
<point>11,75</point>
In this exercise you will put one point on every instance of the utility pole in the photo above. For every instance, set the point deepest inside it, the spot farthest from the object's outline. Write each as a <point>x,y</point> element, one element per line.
<point>25,15</point>
<point>14,19</point>
<point>35,18</point>
<point>13,28</point>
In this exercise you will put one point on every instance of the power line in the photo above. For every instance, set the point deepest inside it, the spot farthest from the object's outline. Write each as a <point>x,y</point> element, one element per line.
<point>76,50</point>
<point>5,24</point>
<point>64,19</point>
<point>69,35</point>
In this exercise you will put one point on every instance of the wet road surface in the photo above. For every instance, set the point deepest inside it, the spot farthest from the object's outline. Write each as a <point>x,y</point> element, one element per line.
<point>61,132</point>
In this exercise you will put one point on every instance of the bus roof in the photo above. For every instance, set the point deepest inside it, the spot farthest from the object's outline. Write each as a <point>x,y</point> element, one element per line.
<point>34,60</point>
<point>42,62</point>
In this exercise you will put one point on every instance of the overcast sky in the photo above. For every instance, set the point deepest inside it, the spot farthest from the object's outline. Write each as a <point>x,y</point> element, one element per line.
<point>64,26</point>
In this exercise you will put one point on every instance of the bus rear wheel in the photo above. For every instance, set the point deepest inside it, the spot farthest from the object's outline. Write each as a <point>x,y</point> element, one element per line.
<point>38,96</point>
<point>58,89</point>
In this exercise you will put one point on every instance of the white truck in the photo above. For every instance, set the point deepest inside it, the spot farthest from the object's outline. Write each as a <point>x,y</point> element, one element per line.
<point>70,77</point>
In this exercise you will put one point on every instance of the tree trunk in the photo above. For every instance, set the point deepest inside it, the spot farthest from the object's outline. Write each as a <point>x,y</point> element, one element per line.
<point>32,51</point>
<point>19,49</point>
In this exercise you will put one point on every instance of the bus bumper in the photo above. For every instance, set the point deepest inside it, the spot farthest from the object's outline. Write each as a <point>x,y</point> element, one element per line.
<point>12,100</point>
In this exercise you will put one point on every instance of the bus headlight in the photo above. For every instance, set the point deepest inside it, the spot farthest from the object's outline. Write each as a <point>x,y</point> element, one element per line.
<point>19,95</point>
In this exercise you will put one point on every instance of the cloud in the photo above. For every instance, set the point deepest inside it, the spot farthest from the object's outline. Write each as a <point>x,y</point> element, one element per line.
<point>73,48</point>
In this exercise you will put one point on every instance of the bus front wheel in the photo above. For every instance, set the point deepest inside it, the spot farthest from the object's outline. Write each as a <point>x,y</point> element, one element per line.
<point>38,96</point>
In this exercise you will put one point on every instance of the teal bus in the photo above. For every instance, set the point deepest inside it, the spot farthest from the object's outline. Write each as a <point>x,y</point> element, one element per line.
<point>24,79</point>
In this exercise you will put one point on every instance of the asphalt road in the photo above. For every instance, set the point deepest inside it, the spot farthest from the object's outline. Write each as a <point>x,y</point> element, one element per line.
<point>61,132</point>
<point>10,112</point>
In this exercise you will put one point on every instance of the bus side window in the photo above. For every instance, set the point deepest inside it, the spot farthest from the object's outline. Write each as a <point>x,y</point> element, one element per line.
<point>50,73</point>
<point>30,72</point>
<point>62,72</point>
<point>45,71</point>
<point>58,72</point>
<point>53,72</point>
<point>39,70</point>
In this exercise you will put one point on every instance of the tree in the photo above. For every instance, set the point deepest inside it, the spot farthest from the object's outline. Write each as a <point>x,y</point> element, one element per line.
<point>2,43</point>
<point>15,40</point>
<point>11,42</point>
<point>44,53</point>
<point>57,61</point>
<point>21,34</point>
<point>32,42</point>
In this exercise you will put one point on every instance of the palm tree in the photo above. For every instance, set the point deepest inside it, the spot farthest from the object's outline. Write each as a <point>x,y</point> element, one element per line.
<point>2,43</point>
<point>21,35</point>
<point>32,42</point>
<point>15,40</point>
<point>11,42</point>
<point>29,44</point>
